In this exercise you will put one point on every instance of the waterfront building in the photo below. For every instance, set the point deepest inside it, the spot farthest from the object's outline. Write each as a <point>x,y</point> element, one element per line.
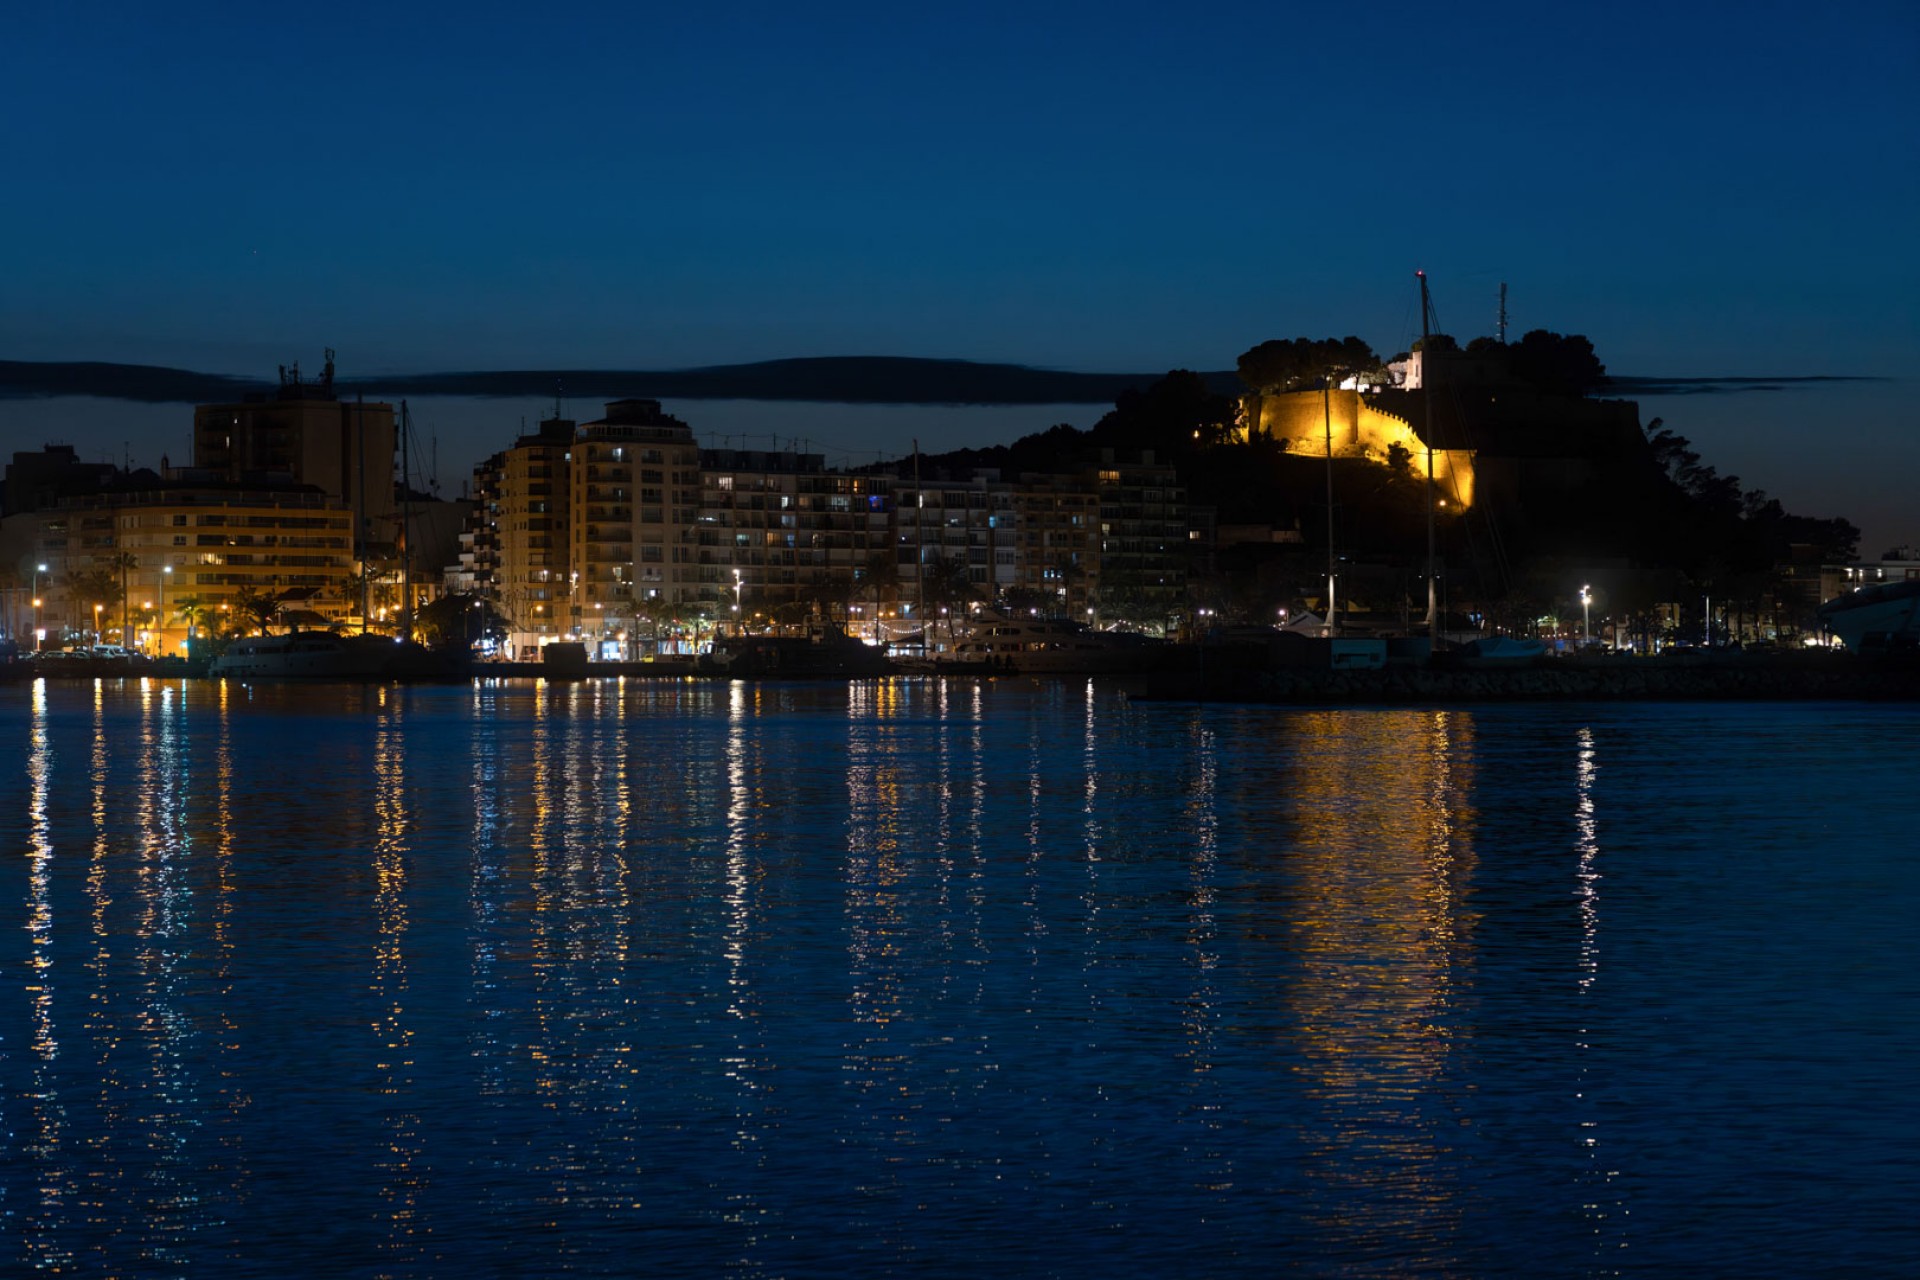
<point>1058,519</point>
<point>303,433</point>
<point>476,569</point>
<point>184,553</point>
<point>1144,534</point>
<point>37,480</point>
<point>778,534</point>
<point>598,532</point>
<point>971,525</point>
<point>525,496</point>
<point>633,486</point>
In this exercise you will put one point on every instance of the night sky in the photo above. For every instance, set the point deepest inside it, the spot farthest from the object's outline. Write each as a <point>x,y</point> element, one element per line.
<point>1701,189</point>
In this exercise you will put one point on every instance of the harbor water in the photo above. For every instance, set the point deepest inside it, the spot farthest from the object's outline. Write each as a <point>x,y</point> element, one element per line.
<point>949,978</point>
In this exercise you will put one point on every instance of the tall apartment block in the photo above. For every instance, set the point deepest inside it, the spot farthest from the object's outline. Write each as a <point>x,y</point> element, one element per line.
<point>303,433</point>
<point>776,528</point>
<point>633,492</point>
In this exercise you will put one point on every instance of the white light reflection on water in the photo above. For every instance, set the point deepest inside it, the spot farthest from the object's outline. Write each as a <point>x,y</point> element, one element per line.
<point>235,1156</point>
<point>164,927</point>
<point>46,1217</point>
<point>102,1207</point>
<point>1603,1205</point>
<point>738,1063</point>
<point>1207,1105</point>
<point>879,822</point>
<point>486,888</point>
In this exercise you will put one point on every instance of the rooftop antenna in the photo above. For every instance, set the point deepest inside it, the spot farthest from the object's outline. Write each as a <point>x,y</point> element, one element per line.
<point>1503,313</point>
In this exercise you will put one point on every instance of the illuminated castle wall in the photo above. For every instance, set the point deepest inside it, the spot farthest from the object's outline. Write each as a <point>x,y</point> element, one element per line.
<point>1360,430</point>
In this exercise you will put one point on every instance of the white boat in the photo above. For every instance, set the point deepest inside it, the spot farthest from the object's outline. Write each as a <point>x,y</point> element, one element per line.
<point>1039,646</point>
<point>320,655</point>
<point>1501,651</point>
<point>1885,615</point>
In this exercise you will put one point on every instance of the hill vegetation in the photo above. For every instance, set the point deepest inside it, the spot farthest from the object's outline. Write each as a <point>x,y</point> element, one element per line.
<point>1643,498</point>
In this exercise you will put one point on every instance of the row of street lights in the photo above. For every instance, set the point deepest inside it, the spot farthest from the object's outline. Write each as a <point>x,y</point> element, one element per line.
<point>39,605</point>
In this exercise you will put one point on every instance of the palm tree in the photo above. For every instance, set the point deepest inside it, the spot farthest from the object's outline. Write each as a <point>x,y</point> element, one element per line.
<point>88,591</point>
<point>947,587</point>
<point>258,607</point>
<point>194,612</point>
<point>879,575</point>
<point>125,562</point>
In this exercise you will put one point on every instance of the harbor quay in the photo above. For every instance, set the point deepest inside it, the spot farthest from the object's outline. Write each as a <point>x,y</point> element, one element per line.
<point>1210,673</point>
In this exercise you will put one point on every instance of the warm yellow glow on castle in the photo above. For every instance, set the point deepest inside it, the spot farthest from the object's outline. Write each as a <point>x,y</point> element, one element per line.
<point>1299,418</point>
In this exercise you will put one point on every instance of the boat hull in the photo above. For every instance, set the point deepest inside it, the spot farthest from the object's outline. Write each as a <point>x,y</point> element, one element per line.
<point>826,656</point>
<point>321,655</point>
<point>1881,616</point>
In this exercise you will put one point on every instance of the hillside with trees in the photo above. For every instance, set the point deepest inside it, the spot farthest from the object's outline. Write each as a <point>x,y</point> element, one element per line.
<point>1567,477</point>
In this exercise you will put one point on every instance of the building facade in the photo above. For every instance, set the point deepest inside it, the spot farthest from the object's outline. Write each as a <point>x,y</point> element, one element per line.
<point>779,535</point>
<point>143,567</point>
<point>1144,537</point>
<point>303,433</point>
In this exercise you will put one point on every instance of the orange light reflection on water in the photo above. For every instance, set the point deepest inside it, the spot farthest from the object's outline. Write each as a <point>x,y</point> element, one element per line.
<point>1383,850</point>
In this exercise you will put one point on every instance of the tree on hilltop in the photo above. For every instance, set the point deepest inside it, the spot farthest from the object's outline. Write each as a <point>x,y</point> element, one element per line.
<point>1175,417</point>
<point>1563,364</point>
<point>1296,364</point>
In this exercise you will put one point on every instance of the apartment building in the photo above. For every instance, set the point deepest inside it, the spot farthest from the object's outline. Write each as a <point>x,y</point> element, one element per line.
<point>776,530</point>
<point>1059,542</point>
<point>526,522</point>
<point>634,491</point>
<point>972,523</point>
<point>194,544</point>
<point>1144,536</point>
<point>303,433</point>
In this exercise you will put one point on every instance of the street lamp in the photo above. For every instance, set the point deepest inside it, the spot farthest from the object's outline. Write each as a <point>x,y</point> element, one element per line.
<point>160,622</point>
<point>1586,617</point>
<point>39,631</point>
<point>736,601</point>
<point>96,625</point>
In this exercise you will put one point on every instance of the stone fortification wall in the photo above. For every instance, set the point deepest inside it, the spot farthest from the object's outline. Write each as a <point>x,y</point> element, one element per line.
<point>1360,430</point>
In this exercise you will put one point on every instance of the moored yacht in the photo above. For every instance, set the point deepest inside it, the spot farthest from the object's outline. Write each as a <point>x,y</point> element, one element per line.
<point>321,655</point>
<point>1885,615</point>
<point>1040,646</point>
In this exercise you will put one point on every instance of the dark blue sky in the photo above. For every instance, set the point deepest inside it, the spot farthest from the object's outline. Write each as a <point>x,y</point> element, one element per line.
<point>1702,189</point>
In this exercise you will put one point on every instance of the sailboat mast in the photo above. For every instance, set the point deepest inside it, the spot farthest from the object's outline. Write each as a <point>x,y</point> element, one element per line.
<point>406,520</point>
<point>919,549</point>
<point>1426,396</point>
<point>1326,409</point>
<point>361,550</point>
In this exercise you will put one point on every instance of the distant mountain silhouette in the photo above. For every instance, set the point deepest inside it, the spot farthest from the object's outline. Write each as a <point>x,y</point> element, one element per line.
<point>151,384</point>
<point>838,379</point>
<point>847,379</point>
<point>1626,387</point>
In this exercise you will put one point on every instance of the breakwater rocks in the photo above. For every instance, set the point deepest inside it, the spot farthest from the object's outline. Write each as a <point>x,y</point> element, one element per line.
<point>1749,678</point>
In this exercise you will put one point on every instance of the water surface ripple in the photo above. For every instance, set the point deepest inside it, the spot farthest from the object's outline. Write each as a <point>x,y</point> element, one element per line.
<point>950,978</point>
